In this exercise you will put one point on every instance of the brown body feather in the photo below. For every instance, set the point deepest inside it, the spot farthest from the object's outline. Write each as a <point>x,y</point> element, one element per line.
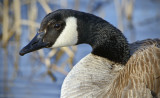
<point>140,78</point>
<point>142,44</point>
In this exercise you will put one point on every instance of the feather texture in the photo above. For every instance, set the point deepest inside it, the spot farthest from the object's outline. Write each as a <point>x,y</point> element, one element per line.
<point>90,77</point>
<point>142,44</point>
<point>141,75</point>
<point>96,77</point>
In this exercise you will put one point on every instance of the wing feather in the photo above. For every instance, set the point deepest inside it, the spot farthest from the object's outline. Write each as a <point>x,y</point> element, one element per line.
<point>141,76</point>
<point>141,44</point>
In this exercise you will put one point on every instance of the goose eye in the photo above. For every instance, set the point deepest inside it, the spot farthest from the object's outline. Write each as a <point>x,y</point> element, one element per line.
<point>57,26</point>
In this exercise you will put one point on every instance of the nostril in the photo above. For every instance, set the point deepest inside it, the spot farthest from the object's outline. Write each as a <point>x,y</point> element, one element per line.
<point>34,43</point>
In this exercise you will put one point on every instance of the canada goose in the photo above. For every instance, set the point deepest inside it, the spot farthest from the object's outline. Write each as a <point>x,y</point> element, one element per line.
<point>114,68</point>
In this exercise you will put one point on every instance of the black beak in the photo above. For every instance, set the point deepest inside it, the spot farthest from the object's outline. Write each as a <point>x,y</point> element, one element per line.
<point>35,44</point>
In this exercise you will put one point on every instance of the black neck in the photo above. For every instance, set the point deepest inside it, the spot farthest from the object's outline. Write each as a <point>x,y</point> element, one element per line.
<point>110,43</point>
<point>106,40</point>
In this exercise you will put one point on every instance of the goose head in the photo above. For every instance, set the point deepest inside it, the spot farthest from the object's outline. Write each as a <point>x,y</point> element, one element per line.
<point>66,27</point>
<point>57,29</point>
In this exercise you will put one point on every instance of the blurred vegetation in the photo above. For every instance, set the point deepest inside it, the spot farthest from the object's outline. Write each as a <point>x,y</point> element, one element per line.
<point>11,31</point>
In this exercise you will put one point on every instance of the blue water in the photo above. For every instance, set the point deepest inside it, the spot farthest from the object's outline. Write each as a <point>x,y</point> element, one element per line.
<point>31,79</point>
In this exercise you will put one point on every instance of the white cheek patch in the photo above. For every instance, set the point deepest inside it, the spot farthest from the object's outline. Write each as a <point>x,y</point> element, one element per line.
<point>69,35</point>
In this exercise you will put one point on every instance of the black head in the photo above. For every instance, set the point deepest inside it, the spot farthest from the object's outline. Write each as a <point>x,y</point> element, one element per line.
<point>57,29</point>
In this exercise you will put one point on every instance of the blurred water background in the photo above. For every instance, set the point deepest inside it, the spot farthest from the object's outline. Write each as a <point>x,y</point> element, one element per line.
<point>40,74</point>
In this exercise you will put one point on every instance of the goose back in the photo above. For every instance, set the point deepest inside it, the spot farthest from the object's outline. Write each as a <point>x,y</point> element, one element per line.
<point>141,44</point>
<point>141,75</point>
